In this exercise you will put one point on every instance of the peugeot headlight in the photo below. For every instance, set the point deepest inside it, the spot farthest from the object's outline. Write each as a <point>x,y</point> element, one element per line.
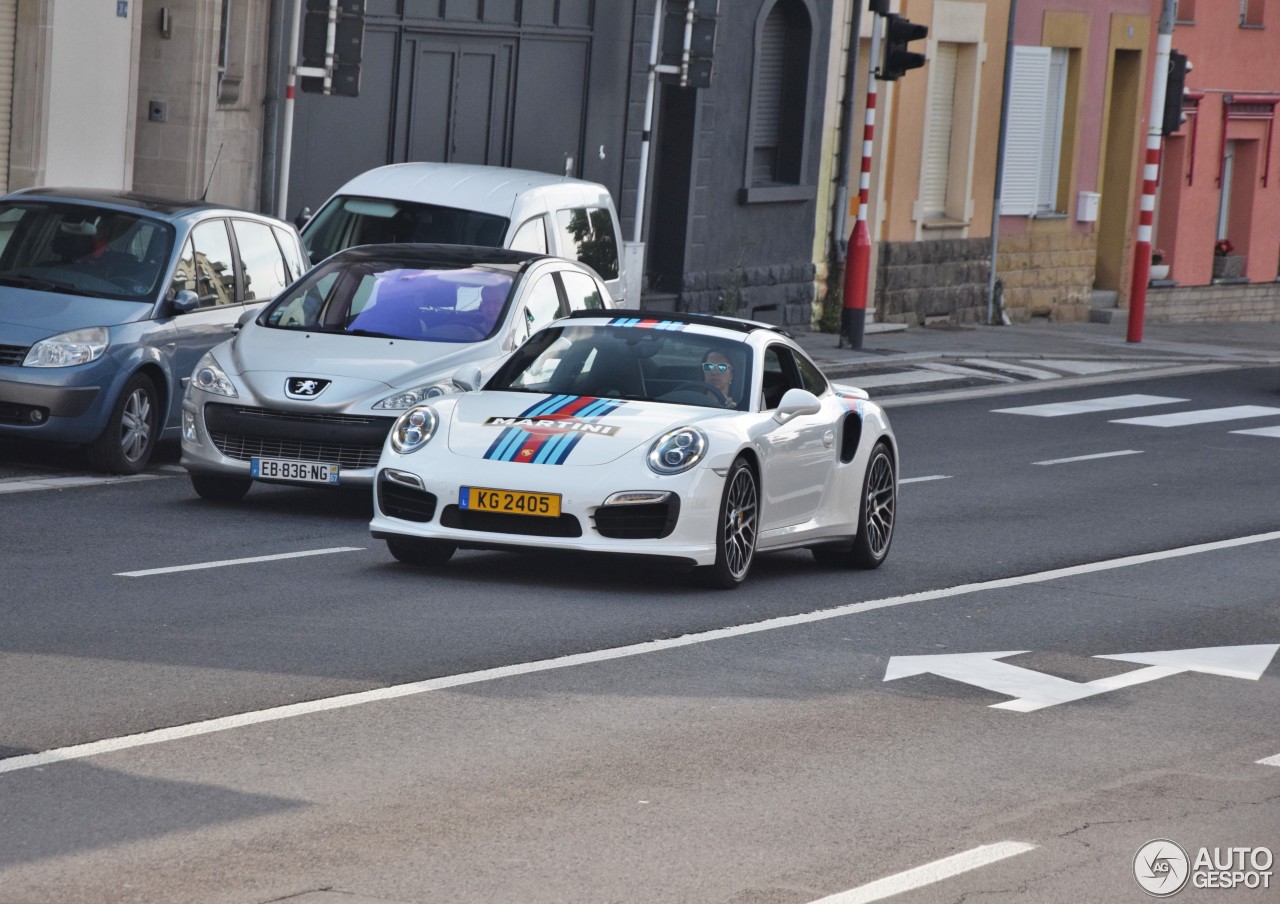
<point>68,349</point>
<point>413,429</point>
<point>210,377</point>
<point>677,451</point>
<point>416,396</point>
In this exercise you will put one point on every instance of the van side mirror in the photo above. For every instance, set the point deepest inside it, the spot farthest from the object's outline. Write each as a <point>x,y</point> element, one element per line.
<point>303,217</point>
<point>796,402</point>
<point>467,378</point>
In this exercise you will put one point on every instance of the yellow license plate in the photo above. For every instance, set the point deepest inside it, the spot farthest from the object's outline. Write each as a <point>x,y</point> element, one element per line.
<point>509,502</point>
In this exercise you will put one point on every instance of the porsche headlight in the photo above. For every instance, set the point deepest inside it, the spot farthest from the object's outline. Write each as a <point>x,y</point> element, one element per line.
<point>68,349</point>
<point>414,429</point>
<point>210,377</point>
<point>416,396</point>
<point>677,451</point>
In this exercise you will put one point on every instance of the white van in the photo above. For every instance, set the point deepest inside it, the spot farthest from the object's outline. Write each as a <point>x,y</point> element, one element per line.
<point>464,204</point>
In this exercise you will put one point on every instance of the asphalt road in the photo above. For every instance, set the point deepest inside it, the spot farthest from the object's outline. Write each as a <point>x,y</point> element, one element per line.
<point>660,751</point>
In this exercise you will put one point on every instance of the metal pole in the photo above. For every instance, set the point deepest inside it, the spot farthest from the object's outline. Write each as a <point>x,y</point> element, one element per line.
<point>642,185</point>
<point>846,136</point>
<point>286,135</point>
<point>854,315</point>
<point>1004,136</point>
<point>1150,175</point>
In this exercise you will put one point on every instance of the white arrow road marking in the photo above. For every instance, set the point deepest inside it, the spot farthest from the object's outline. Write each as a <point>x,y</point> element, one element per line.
<point>1087,406</point>
<point>929,873</point>
<point>1034,690</point>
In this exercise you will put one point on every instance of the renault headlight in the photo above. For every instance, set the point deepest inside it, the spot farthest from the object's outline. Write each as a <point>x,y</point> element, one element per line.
<point>416,396</point>
<point>210,377</point>
<point>68,349</point>
<point>414,429</point>
<point>677,451</point>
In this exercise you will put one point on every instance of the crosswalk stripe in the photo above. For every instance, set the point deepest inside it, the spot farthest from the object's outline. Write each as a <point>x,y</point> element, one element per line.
<point>900,379</point>
<point>1260,431</point>
<point>1089,406</point>
<point>1203,416</point>
<point>1021,370</point>
<point>1086,368</point>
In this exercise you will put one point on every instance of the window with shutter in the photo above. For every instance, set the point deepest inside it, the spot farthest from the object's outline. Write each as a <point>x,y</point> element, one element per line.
<point>1024,137</point>
<point>936,164</point>
<point>1051,149</point>
<point>780,94</point>
<point>770,72</point>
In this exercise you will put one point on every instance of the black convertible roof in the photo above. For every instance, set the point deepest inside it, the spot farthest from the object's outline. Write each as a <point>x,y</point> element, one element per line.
<point>727,323</point>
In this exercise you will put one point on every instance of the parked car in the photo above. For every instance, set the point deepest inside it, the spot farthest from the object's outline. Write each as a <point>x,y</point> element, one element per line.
<point>464,204</point>
<point>107,301</point>
<point>691,437</point>
<point>306,392</point>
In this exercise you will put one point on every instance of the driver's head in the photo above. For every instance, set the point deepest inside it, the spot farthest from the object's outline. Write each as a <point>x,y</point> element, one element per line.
<point>718,371</point>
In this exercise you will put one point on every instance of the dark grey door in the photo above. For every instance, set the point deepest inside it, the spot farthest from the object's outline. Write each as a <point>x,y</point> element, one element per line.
<point>457,92</point>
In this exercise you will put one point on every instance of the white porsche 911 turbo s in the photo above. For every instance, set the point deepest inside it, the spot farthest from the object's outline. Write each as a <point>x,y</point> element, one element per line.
<point>692,437</point>
<point>307,391</point>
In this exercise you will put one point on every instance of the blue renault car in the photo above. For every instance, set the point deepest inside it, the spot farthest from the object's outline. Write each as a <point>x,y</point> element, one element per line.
<point>108,300</point>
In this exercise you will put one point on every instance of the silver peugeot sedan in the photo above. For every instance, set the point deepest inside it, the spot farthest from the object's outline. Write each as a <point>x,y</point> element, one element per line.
<point>306,392</point>
<point>107,301</point>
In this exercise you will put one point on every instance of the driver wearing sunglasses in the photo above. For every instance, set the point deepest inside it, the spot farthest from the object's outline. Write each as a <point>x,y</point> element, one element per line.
<point>718,373</point>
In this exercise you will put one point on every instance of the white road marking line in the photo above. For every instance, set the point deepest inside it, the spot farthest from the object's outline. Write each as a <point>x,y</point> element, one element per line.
<point>29,484</point>
<point>161,735</point>
<point>930,873</point>
<point>1203,416</point>
<point>1270,761</point>
<point>967,372</point>
<point>1260,431</point>
<point>1034,373</point>
<point>147,572</point>
<point>1084,368</point>
<point>924,479</point>
<point>1090,406</point>
<point>1064,461</point>
<point>899,379</point>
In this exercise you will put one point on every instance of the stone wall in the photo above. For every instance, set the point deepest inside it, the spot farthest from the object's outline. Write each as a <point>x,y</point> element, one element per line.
<point>1047,274</point>
<point>779,293</point>
<point>1241,303</point>
<point>921,281</point>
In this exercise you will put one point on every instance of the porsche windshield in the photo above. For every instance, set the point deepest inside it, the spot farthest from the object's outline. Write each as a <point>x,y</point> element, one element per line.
<point>82,250</point>
<point>395,301</point>
<point>628,362</point>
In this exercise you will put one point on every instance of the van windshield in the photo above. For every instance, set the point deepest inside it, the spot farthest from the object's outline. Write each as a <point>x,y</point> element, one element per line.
<point>347,221</point>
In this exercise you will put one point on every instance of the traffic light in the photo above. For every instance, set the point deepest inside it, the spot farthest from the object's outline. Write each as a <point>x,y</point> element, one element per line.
<point>348,43</point>
<point>899,32</point>
<point>702,40</point>
<point>1175,93</point>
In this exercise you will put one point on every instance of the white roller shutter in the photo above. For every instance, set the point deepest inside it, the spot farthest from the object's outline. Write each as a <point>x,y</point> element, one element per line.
<point>8,40</point>
<point>1020,187</point>
<point>1051,149</point>
<point>936,165</point>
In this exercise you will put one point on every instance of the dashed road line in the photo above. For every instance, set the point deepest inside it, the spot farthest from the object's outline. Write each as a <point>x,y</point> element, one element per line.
<point>1270,761</point>
<point>1090,406</point>
<point>924,479</point>
<point>1260,431</point>
<point>30,484</point>
<point>1094,457</point>
<point>930,873</point>
<point>147,572</point>
<point>1203,416</point>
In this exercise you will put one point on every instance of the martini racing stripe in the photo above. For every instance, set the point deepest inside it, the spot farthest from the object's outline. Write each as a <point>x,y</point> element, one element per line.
<point>523,446</point>
<point>647,324</point>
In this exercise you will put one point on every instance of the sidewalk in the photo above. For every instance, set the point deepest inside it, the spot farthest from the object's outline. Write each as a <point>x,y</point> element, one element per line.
<point>889,345</point>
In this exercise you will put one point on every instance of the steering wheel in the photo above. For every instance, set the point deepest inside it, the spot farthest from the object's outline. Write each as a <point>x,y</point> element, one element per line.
<point>714,394</point>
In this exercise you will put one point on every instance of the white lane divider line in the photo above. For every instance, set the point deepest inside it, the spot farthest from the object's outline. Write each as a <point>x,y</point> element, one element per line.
<point>359,698</point>
<point>924,479</point>
<point>1203,416</point>
<point>1095,456</point>
<point>1090,406</point>
<point>147,572</point>
<point>28,484</point>
<point>937,871</point>
<point>1270,761</point>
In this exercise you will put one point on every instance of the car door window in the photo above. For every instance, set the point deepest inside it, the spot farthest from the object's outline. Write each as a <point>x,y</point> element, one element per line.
<point>779,375</point>
<point>583,292</point>
<point>810,376</point>
<point>587,233</point>
<point>540,307</point>
<point>265,273</point>
<point>292,250</point>
<point>214,267</point>
<point>531,236</point>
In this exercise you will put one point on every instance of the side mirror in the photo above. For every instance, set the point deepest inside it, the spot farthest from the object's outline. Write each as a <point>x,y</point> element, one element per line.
<point>796,402</point>
<point>244,318</point>
<point>184,302</point>
<point>302,218</point>
<point>468,378</point>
